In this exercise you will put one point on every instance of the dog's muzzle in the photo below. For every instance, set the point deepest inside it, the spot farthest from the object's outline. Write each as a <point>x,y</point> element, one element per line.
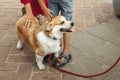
<point>71,29</point>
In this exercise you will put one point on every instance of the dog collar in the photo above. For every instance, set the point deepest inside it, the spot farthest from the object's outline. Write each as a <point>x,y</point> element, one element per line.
<point>54,38</point>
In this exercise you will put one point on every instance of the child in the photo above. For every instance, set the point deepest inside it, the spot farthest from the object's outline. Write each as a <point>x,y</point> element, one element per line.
<point>65,7</point>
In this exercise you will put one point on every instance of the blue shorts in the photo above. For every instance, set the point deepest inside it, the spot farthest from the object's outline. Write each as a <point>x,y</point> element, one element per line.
<point>63,6</point>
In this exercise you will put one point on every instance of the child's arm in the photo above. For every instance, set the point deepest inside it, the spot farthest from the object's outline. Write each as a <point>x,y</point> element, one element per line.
<point>47,12</point>
<point>29,14</point>
<point>27,6</point>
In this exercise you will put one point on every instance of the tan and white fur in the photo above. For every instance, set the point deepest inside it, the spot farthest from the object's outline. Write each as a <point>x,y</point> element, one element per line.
<point>43,39</point>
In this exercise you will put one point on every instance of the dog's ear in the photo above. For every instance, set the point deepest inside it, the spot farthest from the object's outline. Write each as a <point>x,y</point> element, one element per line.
<point>49,26</point>
<point>59,14</point>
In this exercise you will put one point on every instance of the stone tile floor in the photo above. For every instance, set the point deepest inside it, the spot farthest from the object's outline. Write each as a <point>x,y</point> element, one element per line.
<point>94,46</point>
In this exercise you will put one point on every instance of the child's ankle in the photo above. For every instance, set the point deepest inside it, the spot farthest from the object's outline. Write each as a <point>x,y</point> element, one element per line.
<point>66,52</point>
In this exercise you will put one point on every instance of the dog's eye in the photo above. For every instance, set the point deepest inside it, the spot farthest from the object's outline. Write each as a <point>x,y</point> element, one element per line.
<point>62,22</point>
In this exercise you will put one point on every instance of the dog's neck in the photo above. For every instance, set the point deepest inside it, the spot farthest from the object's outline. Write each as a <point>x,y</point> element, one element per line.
<point>53,37</point>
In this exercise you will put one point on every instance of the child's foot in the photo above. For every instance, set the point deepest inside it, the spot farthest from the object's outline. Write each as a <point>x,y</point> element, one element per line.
<point>62,59</point>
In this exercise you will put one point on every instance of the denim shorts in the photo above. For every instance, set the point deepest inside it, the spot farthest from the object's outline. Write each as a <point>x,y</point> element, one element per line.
<point>63,6</point>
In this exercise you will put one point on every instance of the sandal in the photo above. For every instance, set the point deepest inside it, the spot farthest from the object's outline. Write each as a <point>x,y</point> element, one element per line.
<point>46,58</point>
<point>62,60</point>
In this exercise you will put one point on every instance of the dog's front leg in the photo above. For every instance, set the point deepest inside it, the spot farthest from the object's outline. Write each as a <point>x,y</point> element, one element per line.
<point>57,54</point>
<point>39,61</point>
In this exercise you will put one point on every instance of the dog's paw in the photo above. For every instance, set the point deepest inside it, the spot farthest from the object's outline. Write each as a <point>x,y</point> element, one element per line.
<point>41,66</point>
<point>19,45</point>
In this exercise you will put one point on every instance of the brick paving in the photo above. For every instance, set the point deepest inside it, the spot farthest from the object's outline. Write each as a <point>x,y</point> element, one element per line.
<point>95,44</point>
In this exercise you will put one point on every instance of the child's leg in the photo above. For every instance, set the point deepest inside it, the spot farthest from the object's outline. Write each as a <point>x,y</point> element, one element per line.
<point>53,5</point>
<point>66,11</point>
<point>66,40</point>
<point>66,7</point>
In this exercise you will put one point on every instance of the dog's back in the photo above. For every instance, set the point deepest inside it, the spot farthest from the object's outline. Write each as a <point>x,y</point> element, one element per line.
<point>27,34</point>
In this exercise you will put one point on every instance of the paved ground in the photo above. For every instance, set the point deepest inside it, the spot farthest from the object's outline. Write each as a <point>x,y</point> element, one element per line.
<point>95,44</point>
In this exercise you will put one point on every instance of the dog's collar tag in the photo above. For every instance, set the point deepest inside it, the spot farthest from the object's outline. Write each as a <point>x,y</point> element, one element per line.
<point>54,38</point>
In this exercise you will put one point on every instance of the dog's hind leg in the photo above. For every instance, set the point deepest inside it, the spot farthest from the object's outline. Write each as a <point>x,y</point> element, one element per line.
<point>19,43</point>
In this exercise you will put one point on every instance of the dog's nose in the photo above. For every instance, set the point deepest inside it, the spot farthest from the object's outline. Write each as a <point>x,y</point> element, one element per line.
<point>72,23</point>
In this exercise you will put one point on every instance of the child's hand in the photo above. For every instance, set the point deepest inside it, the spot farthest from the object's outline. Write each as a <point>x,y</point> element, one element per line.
<point>29,18</point>
<point>29,15</point>
<point>48,13</point>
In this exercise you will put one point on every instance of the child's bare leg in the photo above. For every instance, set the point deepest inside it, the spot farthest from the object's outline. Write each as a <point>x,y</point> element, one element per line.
<point>65,56</point>
<point>66,41</point>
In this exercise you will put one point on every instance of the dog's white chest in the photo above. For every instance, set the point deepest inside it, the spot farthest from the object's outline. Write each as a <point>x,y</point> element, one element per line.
<point>49,45</point>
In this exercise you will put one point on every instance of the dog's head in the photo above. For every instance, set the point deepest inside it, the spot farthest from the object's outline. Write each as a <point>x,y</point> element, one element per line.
<point>57,26</point>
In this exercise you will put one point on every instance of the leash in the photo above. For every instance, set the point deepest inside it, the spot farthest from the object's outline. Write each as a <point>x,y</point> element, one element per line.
<point>82,75</point>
